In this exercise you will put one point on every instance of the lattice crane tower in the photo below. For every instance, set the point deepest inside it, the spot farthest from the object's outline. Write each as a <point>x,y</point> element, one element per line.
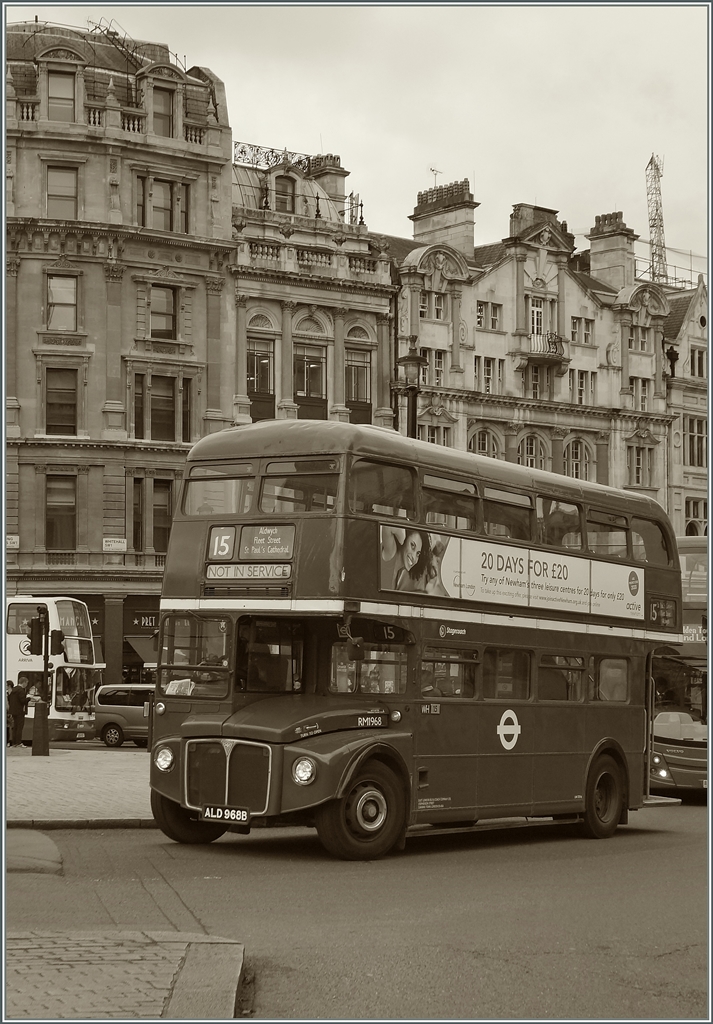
<point>654,173</point>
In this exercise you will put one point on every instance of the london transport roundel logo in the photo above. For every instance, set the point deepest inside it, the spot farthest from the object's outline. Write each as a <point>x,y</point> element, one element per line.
<point>509,729</point>
<point>633,584</point>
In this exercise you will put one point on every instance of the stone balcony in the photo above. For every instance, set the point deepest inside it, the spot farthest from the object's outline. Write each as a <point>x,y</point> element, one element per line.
<point>548,349</point>
<point>112,120</point>
<point>312,261</point>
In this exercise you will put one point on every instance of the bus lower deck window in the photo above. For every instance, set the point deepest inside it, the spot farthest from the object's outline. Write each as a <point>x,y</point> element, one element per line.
<point>506,674</point>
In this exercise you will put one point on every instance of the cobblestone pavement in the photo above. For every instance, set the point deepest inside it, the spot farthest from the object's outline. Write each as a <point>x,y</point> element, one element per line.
<point>121,976</point>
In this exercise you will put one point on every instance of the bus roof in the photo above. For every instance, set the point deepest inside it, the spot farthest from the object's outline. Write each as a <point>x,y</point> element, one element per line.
<point>698,545</point>
<point>284,438</point>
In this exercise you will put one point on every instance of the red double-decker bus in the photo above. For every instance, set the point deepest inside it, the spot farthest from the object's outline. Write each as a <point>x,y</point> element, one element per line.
<point>379,637</point>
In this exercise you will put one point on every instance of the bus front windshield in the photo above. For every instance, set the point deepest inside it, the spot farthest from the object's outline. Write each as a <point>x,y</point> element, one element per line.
<point>270,656</point>
<point>681,700</point>
<point>74,688</point>
<point>196,655</point>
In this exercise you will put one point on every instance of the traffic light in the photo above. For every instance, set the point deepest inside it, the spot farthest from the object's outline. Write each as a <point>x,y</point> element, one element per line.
<point>56,641</point>
<point>36,636</point>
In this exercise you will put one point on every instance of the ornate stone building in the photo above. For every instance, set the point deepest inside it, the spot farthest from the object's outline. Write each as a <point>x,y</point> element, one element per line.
<point>157,291</point>
<point>554,359</point>
<point>312,293</point>
<point>163,283</point>
<point>118,318</point>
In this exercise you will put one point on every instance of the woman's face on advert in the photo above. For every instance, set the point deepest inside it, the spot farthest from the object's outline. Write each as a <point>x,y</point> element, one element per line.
<point>412,549</point>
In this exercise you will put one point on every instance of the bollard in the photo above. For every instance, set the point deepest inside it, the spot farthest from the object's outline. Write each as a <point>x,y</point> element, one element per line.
<point>40,730</point>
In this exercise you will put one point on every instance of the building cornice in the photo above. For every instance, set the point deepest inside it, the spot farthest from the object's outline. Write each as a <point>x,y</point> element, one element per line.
<point>286,279</point>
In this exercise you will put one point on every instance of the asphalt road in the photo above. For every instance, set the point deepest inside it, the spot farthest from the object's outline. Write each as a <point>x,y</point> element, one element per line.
<point>533,923</point>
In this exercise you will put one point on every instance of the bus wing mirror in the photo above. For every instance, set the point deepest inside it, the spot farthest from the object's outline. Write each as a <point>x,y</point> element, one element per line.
<point>355,648</point>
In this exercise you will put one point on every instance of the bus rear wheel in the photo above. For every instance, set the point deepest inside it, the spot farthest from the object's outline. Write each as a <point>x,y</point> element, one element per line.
<point>368,820</point>
<point>176,822</point>
<point>604,799</point>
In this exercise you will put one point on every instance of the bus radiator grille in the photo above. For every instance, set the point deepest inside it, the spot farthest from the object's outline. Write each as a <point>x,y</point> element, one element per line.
<point>241,779</point>
<point>249,777</point>
<point>206,769</point>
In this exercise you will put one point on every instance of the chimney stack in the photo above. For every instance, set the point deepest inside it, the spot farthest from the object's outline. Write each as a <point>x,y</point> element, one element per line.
<point>445,214</point>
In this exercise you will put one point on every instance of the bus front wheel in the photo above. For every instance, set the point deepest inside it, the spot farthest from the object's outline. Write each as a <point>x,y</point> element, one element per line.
<point>368,820</point>
<point>176,822</point>
<point>604,800</point>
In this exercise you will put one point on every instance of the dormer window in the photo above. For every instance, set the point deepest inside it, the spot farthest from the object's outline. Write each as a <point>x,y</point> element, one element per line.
<point>163,113</point>
<point>284,194</point>
<point>60,96</point>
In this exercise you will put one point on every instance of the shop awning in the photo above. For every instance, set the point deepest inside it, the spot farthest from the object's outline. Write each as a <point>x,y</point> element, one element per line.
<point>144,647</point>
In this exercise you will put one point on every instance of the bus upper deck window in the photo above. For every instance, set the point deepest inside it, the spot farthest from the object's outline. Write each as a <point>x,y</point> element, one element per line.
<point>380,489</point>
<point>558,523</point>
<point>507,514</point>
<point>607,535</point>
<point>300,486</point>
<point>649,542</point>
<point>449,503</point>
<point>217,490</point>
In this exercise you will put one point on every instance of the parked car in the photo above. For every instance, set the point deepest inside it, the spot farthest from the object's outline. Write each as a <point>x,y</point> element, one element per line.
<point>122,713</point>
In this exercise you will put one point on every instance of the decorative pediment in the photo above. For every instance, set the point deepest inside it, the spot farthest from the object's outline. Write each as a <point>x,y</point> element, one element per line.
<point>642,435</point>
<point>548,236</point>
<point>261,321</point>
<point>308,325</point>
<point>63,54</point>
<point>165,272</point>
<point>162,70</point>
<point>441,268</point>
<point>438,411</point>
<point>646,297</point>
<point>62,264</point>
<point>650,299</point>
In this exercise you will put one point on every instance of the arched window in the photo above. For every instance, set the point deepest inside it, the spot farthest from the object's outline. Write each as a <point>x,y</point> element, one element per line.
<point>576,460</point>
<point>531,452</point>
<point>284,194</point>
<point>484,442</point>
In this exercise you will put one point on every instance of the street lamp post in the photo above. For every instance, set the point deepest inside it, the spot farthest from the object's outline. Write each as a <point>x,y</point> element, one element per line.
<point>412,363</point>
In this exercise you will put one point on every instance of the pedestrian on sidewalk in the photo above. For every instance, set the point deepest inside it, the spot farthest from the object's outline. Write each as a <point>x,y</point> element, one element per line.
<point>8,718</point>
<point>17,703</point>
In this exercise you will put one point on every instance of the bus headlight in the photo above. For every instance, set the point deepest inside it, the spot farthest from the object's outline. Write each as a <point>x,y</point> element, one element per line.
<point>163,759</point>
<point>659,767</point>
<point>304,771</point>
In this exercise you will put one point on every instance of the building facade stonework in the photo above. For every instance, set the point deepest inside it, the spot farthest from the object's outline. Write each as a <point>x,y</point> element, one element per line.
<point>554,359</point>
<point>163,283</point>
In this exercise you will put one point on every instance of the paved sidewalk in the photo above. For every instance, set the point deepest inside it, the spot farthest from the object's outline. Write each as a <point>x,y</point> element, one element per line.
<point>77,789</point>
<point>121,976</point>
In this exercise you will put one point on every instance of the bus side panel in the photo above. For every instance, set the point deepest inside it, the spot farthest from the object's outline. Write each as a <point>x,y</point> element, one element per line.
<point>628,724</point>
<point>506,743</point>
<point>185,560</point>
<point>561,758</point>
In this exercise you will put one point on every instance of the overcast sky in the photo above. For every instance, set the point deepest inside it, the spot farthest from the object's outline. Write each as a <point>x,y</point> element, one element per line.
<point>557,105</point>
